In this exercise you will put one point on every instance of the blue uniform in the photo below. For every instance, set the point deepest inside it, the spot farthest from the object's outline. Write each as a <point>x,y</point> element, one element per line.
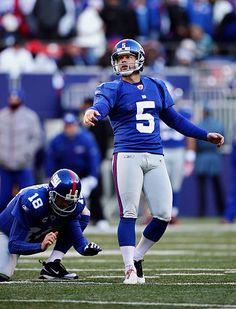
<point>79,153</point>
<point>29,217</point>
<point>135,111</point>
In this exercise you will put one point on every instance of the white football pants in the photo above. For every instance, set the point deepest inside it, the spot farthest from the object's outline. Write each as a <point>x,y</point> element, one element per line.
<point>7,261</point>
<point>134,172</point>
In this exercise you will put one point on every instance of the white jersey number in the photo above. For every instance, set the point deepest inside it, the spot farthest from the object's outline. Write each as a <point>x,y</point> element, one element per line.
<point>145,117</point>
<point>36,202</point>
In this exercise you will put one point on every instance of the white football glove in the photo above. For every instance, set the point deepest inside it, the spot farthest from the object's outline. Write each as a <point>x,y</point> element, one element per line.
<point>92,249</point>
<point>87,185</point>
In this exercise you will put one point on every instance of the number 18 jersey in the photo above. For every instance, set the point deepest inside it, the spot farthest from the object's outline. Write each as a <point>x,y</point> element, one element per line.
<point>134,112</point>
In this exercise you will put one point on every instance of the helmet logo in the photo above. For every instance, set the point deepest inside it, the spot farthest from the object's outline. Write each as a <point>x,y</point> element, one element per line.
<point>71,196</point>
<point>55,180</point>
<point>123,45</point>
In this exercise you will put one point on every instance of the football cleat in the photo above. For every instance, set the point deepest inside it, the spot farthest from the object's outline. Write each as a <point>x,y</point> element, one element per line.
<point>130,276</point>
<point>139,270</point>
<point>55,270</point>
<point>3,278</point>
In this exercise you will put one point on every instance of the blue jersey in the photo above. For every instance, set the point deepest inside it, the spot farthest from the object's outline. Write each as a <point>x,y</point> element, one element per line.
<point>134,111</point>
<point>29,217</point>
<point>79,153</point>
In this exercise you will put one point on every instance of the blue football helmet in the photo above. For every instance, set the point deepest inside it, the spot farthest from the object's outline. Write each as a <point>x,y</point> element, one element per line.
<point>124,47</point>
<point>64,191</point>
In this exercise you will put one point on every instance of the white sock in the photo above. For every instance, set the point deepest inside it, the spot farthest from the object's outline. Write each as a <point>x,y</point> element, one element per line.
<point>55,255</point>
<point>128,256</point>
<point>143,246</point>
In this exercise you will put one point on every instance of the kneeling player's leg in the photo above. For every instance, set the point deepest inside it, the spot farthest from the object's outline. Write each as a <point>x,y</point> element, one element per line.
<point>7,261</point>
<point>53,268</point>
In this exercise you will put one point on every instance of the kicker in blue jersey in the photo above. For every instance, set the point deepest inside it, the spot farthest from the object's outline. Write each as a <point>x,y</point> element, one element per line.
<point>135,105</point>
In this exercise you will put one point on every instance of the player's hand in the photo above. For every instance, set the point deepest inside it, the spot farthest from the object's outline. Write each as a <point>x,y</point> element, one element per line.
<point>215,138</point>
<point>90,117</point>
<point>49,239</point>
<point>92,249</point>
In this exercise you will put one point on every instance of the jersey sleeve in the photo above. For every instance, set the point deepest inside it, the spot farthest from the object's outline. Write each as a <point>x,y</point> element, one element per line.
<point>23,216</point>
<point>167,100</point>
<point>17,244</point>
<point>105,97</point>
<point>182,125</point>
<point>79,241</point>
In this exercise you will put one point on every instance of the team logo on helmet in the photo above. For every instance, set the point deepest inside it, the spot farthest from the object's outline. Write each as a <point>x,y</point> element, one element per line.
<point>55,180</point>
<point>64,191</point>
<point>131,47</point>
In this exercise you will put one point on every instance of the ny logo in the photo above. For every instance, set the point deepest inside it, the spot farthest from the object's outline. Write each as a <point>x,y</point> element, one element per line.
<point>55,180</point>
<point>123,45</point>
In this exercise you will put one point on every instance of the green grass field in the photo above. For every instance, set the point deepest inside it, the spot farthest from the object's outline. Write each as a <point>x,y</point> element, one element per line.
<point>193,266</point>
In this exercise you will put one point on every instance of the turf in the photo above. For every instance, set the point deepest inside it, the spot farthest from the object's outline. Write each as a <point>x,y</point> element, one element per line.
<point>193,266</point>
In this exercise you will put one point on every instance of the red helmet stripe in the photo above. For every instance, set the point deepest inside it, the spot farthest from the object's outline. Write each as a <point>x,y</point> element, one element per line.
<point>74,182</point>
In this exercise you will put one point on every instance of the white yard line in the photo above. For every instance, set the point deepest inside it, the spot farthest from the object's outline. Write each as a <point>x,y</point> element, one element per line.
<point>152,252</point>
<point>190,227</point>
<point>78,282</point>
<point>118,303</point>
<point>182,271</point>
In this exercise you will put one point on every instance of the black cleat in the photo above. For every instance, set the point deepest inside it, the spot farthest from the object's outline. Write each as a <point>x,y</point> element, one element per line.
<point>3,278</point>
<point>55,270</point>
<point>139,269</point>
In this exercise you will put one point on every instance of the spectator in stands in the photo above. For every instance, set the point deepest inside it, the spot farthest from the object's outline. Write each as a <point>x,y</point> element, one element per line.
<point>226,30</point>
<point>179,20</point>
<point>148,19</point>
<point>208,166</point>
<point>204,43</point>
<point>155,55</point>
<point>220,9</point>
<point>72,55</point>
<point>16,59</point>
<point>43,59</point>
<point>201,13</point>
<point>185,54</point>
<point>119,21</point>
<point>13,19</point>
<point>53,20</point>
<point>75,148</point>
<point>20,139</point>
<point>91,32</point>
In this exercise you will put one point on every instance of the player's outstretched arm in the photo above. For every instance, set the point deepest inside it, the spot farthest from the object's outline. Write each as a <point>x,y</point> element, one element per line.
<point>90,117</point>
<point>215,138</point>
<point>49,239</point>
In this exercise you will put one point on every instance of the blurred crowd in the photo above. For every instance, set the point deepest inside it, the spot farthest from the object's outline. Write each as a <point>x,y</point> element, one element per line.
<point>51,35</point>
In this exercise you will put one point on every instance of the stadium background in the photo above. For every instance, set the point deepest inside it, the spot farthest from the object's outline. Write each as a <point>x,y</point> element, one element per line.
<point>210,79</point>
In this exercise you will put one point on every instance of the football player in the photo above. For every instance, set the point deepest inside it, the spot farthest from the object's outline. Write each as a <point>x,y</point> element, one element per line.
<point>179,157</point>
<point>135,104</point>
<point>41,215</point>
